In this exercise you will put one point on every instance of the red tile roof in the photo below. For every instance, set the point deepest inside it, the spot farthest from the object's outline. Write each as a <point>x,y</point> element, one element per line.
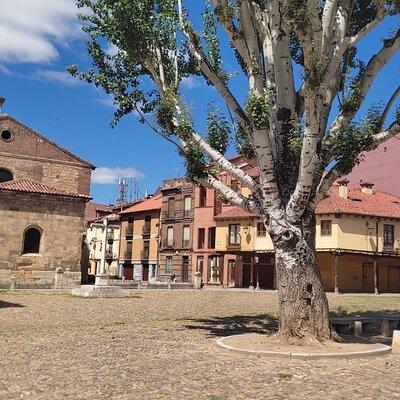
<point>234,213</point>
<point>93,210</point>
<point>30,186</point>
<point>154,203</point>
<point>378,204</point>
<point>254,172</point>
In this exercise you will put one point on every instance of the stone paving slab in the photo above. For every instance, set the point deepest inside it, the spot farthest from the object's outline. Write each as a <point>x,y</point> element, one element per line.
<point>161,345</point>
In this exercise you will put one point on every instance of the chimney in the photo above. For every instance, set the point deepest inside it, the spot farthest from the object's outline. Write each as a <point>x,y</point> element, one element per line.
<point>366,187</point>
<point>343,189</point>
<point>2,101</point>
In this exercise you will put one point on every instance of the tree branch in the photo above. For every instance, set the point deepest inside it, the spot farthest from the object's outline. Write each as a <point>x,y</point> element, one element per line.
<point>247,204</point>
<point>388,107</point>
<point>386,134</point>
<point>352,41</point>
<point>230,168</point>
<point>374,66</point>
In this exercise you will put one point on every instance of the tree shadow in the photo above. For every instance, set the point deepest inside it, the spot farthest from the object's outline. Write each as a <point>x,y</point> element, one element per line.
<point>235,325</point>
<point>7,304</point>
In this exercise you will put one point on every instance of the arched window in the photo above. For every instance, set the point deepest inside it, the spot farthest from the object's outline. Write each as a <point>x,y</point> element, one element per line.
<point>32,240</point>
<point>5,175</point>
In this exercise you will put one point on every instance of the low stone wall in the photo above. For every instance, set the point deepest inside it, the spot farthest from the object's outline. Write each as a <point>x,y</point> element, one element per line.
<point>132,284</point>
<point>39,279</point>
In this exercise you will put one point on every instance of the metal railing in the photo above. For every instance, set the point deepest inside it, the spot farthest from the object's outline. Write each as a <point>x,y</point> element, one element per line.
<point>144,254</point>
<point>233,245</point>
<point>128,255</point>
<point>186,243</point>
<point>146,230</point>
<point>129,231</point>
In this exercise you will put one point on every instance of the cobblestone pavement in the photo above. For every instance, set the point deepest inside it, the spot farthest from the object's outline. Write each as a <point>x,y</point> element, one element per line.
<point>161,345</point>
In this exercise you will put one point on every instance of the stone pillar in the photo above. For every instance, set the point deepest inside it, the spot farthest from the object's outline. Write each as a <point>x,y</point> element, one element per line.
<point>376,275</point>
<point>357,328</point>
<point>59,278</point>
<point>197,280</point>
<point>336,268</point>
<point>12,283</point>
<point>251,273</point>
<point>385,328</point>
<point>396,341</point>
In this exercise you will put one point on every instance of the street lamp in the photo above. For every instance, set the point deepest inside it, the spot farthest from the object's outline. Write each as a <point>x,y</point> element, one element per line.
<point>257,260</point>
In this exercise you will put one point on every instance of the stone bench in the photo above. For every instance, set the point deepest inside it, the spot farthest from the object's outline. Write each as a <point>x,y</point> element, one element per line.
<point>389,322</point>
<point>358,324</point>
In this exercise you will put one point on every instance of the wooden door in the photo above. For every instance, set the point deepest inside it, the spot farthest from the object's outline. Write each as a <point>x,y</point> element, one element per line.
<point>128,272</point>
<point>246,275</point>
<point>185,269</point>
<point>266,276</point>
<point>145,272</point>
<point>394,279</point>
<point>368,277</point>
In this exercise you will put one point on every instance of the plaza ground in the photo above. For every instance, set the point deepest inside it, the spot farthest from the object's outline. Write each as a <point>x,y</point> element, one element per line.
<point>161,345</point>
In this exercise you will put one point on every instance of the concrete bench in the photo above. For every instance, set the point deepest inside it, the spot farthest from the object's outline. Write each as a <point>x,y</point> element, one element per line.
<point>343,325</point>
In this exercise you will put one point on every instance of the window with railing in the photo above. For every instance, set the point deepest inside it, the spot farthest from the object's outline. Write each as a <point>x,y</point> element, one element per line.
<point>170,237</point>
<point>326,227</point>
<point>187,206</point>
<point>186,237</point>
<point>146,229</point>
<point>388,237</point>
<point>261,229</point>
<point>168,265</point>
<point>201,233</point>
<point>234,234</point>
<point>211,237</point>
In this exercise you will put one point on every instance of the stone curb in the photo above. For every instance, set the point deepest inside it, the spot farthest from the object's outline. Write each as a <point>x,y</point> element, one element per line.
<point>383,349</point>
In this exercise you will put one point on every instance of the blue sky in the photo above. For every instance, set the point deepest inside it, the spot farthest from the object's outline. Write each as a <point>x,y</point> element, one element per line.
<point>39,39</point>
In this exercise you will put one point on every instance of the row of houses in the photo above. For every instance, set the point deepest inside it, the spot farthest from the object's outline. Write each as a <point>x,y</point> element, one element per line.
<point>186,230</point>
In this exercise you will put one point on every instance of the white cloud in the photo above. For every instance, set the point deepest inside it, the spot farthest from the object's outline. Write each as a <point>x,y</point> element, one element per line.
<point>53,76</point>
<point>30,30</point>
<point>105,175</point>
<point>191,82</point>
<point>5,70</point>
<point>107,101</point>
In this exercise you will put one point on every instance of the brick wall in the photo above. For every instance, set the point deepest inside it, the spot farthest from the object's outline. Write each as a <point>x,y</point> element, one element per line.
<point>61,220</point>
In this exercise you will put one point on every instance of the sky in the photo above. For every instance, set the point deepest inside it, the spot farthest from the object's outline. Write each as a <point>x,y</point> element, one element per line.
<point>39,39</point>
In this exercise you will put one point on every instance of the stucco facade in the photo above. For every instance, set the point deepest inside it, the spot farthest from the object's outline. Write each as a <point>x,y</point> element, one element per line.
<point>139,240</point>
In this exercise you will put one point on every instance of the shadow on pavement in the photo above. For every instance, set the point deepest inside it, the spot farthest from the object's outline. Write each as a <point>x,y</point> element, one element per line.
<point>6,304</point>
<point>235,325</point>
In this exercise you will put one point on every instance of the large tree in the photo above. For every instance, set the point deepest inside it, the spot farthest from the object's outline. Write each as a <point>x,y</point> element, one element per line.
<point>299,153</point>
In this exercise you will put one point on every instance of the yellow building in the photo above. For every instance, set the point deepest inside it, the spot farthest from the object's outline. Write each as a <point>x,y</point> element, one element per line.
<point>139,243</point>
<point>357,241</point>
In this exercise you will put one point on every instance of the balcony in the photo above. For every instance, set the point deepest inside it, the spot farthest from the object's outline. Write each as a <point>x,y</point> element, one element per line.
<point>233,244</point>
<point>168,245</point>
<point>188,214</point>
<point>388,248</point>
<point>186,244</point>
<point>145,254</point>
<point>110,236</point>
<point>129,231</point>
<point>109,255</point>
<point>146,230</point>
<point>170,214</point>
<point>128,255</point>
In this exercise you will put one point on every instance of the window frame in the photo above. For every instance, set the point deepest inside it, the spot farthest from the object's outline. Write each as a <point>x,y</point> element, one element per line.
<point>326,231</point>
<point>388,233</point>
<point>263,231</point>
<point>39,246</point>
<point>235,229</point>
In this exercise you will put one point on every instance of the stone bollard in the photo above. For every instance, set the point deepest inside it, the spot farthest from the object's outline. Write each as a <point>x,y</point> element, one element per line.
<point>58,278</point>
<point>12,283</point>
<point>385,328</point>
<point>169,283</point>
<point>197,280</point>
<point>357,328</point>
<point>139,285</point>
<point>396,341</point>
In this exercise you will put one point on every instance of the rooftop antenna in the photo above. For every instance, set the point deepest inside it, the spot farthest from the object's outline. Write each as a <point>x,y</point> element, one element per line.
<point>2,101</point>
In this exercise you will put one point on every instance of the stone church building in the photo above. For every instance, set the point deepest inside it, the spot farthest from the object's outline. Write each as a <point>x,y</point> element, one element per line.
<point>43,193</point>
